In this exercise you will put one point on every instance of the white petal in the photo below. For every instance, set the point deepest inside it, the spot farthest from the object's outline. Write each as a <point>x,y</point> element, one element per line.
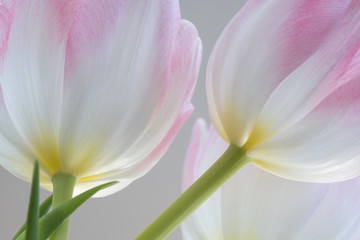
<point>15,155</point>
<point>337,216</point>
<point>258,205</point>
<point>33,72</point>
<point>322,147</point>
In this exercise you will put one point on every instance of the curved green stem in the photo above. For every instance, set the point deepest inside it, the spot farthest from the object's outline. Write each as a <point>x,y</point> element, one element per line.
<point>63,187</point>
<point>226,166</point>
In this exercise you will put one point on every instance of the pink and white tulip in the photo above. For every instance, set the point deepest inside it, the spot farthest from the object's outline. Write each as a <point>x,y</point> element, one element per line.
<point>283,82</point>
<point>257,205</point>
<point>97,89</point>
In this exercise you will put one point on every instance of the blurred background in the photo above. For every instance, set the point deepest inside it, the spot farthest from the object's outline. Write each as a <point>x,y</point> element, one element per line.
<point>125,214</point>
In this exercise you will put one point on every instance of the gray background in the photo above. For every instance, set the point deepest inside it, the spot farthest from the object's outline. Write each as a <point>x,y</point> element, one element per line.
<point>124,214</point>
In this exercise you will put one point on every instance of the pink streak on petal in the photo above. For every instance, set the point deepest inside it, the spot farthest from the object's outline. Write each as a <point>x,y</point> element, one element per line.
<point>63,13</point>
<point>57,14</point>
<point>307,26</point>
<point>6,13</point>
<point>186,58</point>
<point>98,22</point>
<point>93,19</point>
<point>345,100</point>
<point>184,69</point>
<point>346,70</point>
<point>343,47</point>
<point>304,25</point>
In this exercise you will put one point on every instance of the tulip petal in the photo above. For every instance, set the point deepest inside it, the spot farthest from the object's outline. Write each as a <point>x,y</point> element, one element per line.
<point>117,81</point>
<point>256,204</point>
<point>261,46</point>
<point>322,147</point>
<point>119,127</point>
<point>331,66</point>
<point>32,73</point>
<point>15,155</point>
<point>336,218</point>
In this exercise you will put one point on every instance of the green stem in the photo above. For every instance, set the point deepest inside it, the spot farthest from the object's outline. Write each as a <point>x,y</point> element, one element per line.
<point>226,166</point>
<point>63,187</point>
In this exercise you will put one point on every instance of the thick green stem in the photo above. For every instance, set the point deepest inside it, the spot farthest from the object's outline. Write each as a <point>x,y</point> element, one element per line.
<point>63,187</point>
<point>226,166</point>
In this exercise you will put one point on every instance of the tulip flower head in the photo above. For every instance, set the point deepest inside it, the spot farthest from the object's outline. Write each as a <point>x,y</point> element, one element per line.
<point>283,82</point>
<point>257,205</point>
<point>95,89</point>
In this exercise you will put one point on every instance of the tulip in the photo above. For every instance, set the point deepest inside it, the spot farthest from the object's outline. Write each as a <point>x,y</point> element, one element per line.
<point>257,205</point>
<point>95,90</point>
<point>283,83</point>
